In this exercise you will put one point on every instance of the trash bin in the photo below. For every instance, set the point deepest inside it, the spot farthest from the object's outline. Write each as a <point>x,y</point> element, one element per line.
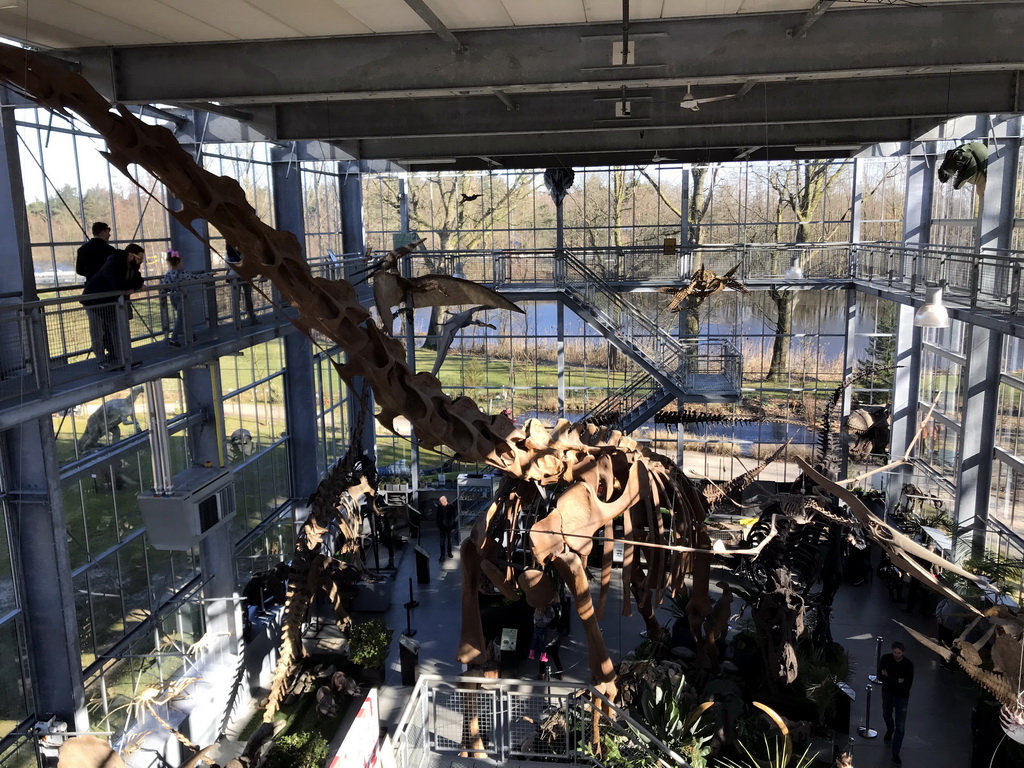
<point>422,566</point>
<point>409,658</point>
<point>845,697</point>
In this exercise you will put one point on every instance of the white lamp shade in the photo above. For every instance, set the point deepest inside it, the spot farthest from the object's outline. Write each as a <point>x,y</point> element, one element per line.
<point>932,313</point>
<point>794,272</point>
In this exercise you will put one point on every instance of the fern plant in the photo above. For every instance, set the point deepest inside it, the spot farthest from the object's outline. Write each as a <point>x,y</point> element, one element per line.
<point>369,644</point>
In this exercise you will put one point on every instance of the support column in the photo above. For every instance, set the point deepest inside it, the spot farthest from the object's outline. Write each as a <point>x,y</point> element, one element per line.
<point>857,204</point>
<point>410,345</point>
<point>350,199</point>
<point>299,387</point>
<point>34,504</point>
<point>849,363</point>
<point>997,208</point>
<point>560,362</point>
<point>906,383</point>
<point>977,433</point>
<point>200,307</point>
<point>906,380</point>
<point>917,213</point>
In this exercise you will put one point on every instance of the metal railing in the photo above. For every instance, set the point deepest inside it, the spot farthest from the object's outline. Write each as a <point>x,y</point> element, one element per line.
<point>499,721</point>
<point>53,340</point>
<point>988,278</point>
<point>629,398</point>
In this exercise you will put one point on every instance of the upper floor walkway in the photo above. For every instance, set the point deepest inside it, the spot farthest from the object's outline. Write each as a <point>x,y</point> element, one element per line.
<point>47,363</point>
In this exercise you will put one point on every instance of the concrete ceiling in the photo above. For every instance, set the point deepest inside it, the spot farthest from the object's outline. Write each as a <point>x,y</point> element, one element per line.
<point>483,83</point>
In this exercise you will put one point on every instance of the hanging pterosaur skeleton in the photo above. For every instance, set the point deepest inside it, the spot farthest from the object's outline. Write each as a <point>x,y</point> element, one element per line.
<point>391,288</point>
<point>449,329</point>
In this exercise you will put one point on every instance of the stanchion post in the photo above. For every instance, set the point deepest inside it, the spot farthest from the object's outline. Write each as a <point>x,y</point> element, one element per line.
<point>878,659</point>
<point>866,731</point>
<point>409,631</point>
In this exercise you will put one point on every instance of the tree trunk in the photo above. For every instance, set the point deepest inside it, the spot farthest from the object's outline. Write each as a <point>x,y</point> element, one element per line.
<point>778,368</point>
<point>433,337</point>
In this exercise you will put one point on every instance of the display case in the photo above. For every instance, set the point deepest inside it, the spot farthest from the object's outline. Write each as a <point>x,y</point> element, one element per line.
<point>474,493</point>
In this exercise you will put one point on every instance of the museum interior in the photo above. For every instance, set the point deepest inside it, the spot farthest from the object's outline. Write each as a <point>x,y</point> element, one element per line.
<point>498,382</point>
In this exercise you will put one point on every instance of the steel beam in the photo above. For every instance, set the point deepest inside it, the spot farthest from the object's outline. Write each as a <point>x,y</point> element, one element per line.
<point>710,144</point>
<point>350,199</point>
<point>906,384</point>
<point>425,12</point>
<point>775,104</point>
<point>35,508</point>
<point>857,43</point>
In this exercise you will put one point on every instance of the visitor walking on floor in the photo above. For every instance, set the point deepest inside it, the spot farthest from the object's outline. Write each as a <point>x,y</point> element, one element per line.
<point>896,673</point>
<point>447,519</point>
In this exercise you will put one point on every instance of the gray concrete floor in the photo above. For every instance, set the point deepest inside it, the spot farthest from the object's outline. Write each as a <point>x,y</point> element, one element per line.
<point>938,719</point>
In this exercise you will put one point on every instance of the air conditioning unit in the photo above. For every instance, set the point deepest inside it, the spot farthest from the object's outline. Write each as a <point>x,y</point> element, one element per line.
<point>203,500</point>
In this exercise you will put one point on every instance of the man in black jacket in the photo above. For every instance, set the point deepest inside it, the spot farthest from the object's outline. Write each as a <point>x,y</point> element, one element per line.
<point>120,273</point>
<point>94,253</point>
<point>447,519</point>
<point>896,673</point>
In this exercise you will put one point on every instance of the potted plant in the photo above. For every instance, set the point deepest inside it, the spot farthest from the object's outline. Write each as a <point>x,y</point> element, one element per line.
<point>368,646</point>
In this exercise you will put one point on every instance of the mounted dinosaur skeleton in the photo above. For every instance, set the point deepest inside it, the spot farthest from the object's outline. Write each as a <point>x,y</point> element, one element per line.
<point>703,283</point>
<point>602,477</point>
<point>603,481</point>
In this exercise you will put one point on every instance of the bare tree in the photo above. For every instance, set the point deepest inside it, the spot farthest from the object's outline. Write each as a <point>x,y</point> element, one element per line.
<point>457,212</point>
<point>801,187</point>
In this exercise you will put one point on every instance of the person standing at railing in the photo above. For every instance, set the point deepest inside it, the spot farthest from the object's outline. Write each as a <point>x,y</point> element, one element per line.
<point>119,273</point>
<point>94,253</point>
<point>173,282</point>
<point>91,257</point>
<point>233,256</point>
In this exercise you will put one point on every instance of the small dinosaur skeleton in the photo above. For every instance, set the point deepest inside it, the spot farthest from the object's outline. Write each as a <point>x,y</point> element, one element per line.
<point>107,420</point>
<point>703,283</point>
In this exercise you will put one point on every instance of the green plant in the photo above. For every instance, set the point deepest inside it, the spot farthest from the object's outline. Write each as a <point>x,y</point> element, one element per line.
<point>820,669</point>
<point>369,643</point>
<point>773,757</point>
<point>305,749</point>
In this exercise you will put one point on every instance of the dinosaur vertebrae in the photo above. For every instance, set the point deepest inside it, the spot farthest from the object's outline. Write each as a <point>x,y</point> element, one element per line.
<point>331,308</point>
<point>334,513</point>
<point>684,416</point>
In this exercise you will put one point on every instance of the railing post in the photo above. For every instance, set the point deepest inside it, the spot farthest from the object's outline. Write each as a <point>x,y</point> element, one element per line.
<point>38,346</point>
<point>975,279</point>
<point>123,320</point>
<point>913,271</point>
<point>1014,297</point>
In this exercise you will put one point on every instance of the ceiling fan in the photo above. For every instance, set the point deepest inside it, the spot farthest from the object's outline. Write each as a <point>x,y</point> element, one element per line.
<point>692,103</point>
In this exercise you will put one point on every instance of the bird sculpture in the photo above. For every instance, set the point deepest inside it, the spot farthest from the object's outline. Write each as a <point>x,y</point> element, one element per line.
<point>455,323</point>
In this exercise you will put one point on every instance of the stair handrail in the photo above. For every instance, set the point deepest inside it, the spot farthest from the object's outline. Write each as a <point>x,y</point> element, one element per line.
<point>623,396</point>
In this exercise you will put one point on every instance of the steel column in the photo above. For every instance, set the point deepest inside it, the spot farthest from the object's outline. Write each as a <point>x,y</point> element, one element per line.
<point>977,433</point>
<point>34,504</point>
<point>299,388</point>
<point>906,383</point>
<point>849,363</point>
<point>560,364</point>
<point>350,199</point>
<point>200,307</point>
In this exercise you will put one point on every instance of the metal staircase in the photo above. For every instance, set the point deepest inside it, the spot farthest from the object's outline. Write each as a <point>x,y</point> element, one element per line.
<point>630,406</point>
<point>703,370</point>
